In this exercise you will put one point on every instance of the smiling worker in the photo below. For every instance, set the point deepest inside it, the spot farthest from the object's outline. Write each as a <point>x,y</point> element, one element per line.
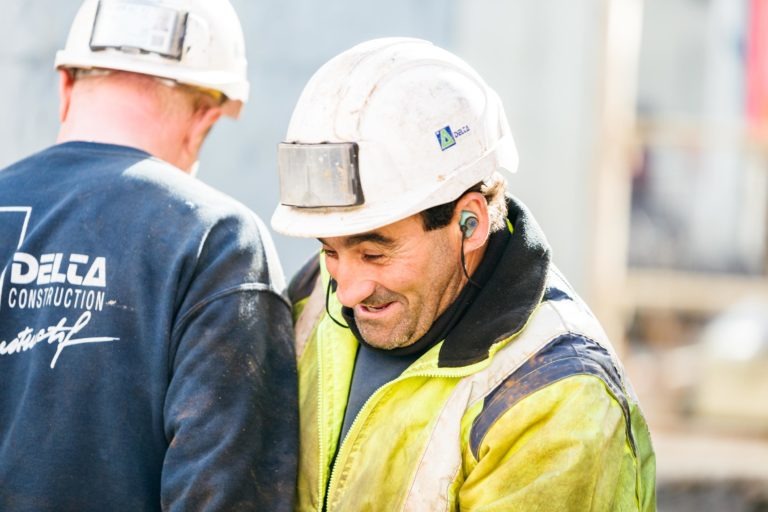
<point>444,362</point>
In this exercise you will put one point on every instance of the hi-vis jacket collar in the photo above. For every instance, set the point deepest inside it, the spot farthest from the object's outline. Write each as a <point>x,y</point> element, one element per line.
<point>503,306</point>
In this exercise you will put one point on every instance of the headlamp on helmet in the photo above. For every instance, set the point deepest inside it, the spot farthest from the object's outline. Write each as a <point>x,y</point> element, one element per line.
<point>319,175</point>
<point>134,26</point>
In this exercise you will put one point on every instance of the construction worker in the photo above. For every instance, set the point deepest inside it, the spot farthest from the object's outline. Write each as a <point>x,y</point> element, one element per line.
<point>146,352</point>
<point>444,362</point>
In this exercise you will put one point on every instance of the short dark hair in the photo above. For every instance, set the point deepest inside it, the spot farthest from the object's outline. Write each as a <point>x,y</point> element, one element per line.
<point>493,189</point>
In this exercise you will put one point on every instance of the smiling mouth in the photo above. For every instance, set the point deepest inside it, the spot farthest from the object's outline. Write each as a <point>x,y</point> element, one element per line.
<point>373,310</point>
<point>376,308</point>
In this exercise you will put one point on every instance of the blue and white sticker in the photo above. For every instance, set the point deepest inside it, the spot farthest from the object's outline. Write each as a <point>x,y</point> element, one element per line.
<point>447,137</point>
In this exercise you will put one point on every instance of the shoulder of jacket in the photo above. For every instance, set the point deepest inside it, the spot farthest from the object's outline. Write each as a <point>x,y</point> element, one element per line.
<point>305,280</point>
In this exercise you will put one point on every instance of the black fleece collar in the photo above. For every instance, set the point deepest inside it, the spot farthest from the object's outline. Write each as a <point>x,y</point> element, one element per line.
<point>511,293</point>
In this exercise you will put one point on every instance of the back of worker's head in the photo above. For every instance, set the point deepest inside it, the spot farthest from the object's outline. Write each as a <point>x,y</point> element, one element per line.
<point>194,43</point>
<point>387,129</point>
<point>154,75</point>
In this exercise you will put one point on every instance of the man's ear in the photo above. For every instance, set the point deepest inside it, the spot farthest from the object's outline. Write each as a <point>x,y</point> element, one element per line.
<point>66,83</point>
<point>472,206</point>
<point>200,125</point>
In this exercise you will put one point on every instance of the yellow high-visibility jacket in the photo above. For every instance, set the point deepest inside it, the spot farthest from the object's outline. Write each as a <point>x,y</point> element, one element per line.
<point>523,406</point>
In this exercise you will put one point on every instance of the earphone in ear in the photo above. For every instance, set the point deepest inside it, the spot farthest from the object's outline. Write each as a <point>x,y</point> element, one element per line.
<point>468,223</point>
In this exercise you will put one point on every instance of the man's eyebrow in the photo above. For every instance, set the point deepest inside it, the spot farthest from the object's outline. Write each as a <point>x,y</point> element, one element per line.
<point>376,238</point>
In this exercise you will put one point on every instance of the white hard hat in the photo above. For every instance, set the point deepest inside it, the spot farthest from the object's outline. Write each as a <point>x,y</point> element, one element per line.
<point>194,42</point>
<point>387,129</point>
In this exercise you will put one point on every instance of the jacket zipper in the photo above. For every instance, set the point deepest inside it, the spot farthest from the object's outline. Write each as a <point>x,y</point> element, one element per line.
<point>321,441</point>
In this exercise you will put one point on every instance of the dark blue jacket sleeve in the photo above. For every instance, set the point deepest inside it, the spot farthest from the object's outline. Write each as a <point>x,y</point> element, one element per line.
<point>231,416</point>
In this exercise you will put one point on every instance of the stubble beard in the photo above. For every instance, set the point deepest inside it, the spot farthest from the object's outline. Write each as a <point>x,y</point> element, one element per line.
<point>378,336</point>
<point>412,323</point>
<point>385,336</point>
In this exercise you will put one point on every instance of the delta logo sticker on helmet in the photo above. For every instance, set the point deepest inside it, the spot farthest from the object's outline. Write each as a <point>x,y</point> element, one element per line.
<point>447,137</point>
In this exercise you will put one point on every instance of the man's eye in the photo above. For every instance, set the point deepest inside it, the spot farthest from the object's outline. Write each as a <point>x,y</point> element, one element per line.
<point>330,254</point>
<point>372,257</point>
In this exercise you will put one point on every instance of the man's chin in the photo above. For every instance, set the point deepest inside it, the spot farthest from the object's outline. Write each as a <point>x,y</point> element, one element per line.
<point>379,338</point>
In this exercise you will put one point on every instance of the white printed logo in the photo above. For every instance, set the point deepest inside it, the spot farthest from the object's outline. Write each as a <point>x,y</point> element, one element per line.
<point>27,269</point>
<point>56,279</point>
<point>60,334</point>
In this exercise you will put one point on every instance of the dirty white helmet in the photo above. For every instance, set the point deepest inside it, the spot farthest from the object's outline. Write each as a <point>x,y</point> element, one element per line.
<point>387,129</point>
<point>194,42</point>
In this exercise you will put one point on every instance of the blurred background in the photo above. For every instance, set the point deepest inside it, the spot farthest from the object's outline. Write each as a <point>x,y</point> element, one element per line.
<point>642,128</point>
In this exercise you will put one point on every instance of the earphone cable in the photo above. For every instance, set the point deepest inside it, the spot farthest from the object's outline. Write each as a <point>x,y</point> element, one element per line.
<point>327,310</point>
<point>464,264</point>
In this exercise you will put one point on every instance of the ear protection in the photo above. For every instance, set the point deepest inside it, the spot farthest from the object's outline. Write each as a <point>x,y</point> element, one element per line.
<point>468,223</point>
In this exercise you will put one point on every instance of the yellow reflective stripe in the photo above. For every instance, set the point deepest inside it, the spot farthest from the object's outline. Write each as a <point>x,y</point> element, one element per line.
<point>441,461</point>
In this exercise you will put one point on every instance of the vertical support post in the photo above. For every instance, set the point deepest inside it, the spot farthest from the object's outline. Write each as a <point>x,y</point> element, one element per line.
<point>611,174</point>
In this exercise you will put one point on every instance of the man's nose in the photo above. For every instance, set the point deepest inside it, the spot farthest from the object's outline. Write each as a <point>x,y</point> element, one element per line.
<point>352,285</point>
